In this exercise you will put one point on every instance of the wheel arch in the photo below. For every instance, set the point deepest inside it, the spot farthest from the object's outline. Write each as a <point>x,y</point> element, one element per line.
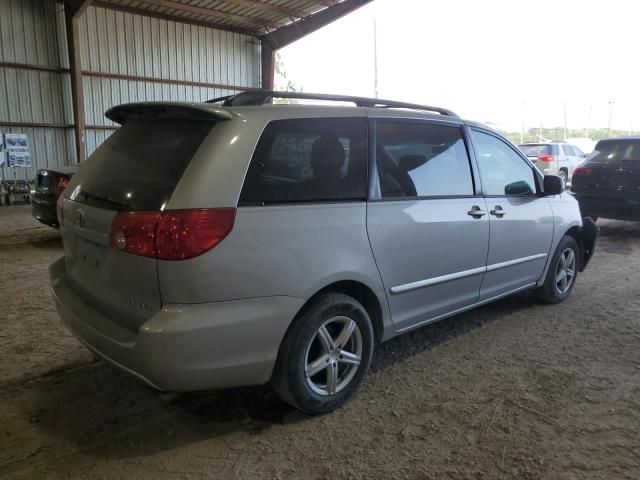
<point>359,291</point>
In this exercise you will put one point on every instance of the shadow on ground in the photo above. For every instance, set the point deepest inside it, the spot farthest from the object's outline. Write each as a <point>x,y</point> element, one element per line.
<point>105,413</point>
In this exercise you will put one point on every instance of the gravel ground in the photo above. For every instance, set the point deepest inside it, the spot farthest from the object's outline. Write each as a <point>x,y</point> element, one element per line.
<point>511,390</point>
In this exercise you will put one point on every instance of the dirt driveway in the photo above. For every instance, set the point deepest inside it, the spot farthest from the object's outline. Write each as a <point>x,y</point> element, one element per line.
<point>512,390</point>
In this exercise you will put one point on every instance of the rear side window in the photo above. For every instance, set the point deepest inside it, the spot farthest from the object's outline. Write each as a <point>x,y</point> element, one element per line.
<point>568,150</point>
<point>138,167</point>
<point>308,160</point>
<point>421,160</point>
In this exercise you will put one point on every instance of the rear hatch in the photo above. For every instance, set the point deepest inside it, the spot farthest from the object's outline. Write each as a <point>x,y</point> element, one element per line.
<point>537,151</point>
<point>612,171</point>
<point>135,170</point>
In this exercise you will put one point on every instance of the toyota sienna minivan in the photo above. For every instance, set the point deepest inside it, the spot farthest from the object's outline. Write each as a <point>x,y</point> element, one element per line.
<point>242,242</point>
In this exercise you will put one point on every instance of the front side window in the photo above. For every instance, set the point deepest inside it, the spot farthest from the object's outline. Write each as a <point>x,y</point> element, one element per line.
<point>422,160</point>
<point>568,150</point>
<point>502,170</point>
<point>308,160</point>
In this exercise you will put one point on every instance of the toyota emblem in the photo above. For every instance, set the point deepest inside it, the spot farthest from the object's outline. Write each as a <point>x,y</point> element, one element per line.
<point>80,217</point>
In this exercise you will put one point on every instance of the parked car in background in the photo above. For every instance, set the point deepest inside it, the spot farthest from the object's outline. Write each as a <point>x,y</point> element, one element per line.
<point>218,245</point>
<point>554,158</point>
<point>607,183</point>
<point>50,183</point>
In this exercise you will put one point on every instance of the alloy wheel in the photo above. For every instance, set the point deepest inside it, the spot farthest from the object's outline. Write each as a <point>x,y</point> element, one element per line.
<point>333,355</point>
<point>565,271</point>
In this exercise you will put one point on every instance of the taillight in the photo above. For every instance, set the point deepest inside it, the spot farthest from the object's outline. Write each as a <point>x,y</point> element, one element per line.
<point>62,184</point>
<point>59,209</point>
<point>172,234</point>
<point>582,172</point>
<point>546,158</point>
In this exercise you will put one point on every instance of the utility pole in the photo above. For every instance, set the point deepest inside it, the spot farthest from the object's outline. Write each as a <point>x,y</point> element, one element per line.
<point>375,59</point>
<point>524,109</point>
<point>610,115</point>
<point>564,133</point>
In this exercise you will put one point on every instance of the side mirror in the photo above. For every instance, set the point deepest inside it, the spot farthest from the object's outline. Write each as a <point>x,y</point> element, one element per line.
<point>518,188</point>
<point>553,185</point>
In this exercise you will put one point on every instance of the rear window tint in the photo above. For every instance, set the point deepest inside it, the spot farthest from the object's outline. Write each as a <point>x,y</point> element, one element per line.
<point>612,151</point>
<point>138,167</point>
<point>308,160</point>
<point>536,150</point>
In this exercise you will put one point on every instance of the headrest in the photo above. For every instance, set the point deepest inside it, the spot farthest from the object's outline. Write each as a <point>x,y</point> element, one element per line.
<point>411,162</point>
<point>327,153</point>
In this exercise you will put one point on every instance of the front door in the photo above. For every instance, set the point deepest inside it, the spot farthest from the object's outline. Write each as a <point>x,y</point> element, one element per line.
<point>521,221</point>
<point>428,228</point>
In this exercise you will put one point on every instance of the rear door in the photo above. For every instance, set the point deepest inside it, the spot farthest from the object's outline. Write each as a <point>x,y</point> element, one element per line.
<point>135,170</point>
<point>427,225</point>
<point>521,222</point>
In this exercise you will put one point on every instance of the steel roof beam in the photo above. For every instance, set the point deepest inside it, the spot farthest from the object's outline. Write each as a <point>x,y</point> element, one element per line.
<point>288,34</point>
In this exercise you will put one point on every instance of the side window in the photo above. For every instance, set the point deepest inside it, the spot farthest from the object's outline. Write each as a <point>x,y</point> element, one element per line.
<point>308,160</point>
<point>577,152</point>
<point>568,150</point>
<point>502,170</point>
<point>421,160</point>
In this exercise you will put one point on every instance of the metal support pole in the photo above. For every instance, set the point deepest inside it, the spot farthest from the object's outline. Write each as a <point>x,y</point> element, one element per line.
<point>268,65</point>
<point>71,15</point>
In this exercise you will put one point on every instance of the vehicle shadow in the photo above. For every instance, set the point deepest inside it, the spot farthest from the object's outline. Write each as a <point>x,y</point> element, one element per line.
<point>618,237</point>
<point>105,413</point>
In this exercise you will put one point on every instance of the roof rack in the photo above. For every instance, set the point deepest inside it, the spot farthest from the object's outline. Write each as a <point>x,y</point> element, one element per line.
<point>260,97</point>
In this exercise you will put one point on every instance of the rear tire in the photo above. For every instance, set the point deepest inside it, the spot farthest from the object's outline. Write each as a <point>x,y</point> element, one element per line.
<point>562,273</point>
<point>316,370</point>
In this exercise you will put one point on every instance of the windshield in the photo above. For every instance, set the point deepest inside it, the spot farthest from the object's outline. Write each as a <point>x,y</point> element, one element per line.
<point>139,166</point>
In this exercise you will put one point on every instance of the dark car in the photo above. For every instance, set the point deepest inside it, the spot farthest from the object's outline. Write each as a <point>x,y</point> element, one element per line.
<point>50,184</point>
<point>607,183</point>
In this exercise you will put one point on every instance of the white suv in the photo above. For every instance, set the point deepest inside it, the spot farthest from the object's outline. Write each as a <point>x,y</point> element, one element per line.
<point>554,158</point>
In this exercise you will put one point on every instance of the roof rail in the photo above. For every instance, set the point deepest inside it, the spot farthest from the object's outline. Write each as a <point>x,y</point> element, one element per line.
<point>260,97</point>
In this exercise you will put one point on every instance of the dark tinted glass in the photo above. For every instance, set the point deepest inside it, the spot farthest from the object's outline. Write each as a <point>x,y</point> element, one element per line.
<point>308,160</point>
<point>502,170</point>
<point>613,151</point>
<point>422,160</point>
<point>536,150</point>
<point>138,167</point>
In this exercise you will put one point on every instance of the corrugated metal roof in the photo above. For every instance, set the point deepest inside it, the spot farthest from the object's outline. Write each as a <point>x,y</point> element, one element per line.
<point>245,16</point>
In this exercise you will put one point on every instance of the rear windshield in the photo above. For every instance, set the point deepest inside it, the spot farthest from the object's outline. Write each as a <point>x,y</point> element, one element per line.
<point>535,150</point>
<point>138,167</point>
<point>612,151</point>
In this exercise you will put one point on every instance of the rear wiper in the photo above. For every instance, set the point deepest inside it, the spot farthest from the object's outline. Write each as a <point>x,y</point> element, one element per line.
<point>106,199</point>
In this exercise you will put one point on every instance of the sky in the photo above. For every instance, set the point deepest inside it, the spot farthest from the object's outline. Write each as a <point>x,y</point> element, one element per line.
<point>494,61</point>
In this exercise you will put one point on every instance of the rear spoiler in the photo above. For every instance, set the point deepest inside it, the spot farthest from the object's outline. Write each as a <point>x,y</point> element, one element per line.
<point>173,110</point>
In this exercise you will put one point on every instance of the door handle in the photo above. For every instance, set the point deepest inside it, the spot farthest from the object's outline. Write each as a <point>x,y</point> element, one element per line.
<point>475,212</point>
<point>498,211</point>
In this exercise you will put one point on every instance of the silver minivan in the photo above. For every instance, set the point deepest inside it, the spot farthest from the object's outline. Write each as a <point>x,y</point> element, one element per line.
<point>241,242</point>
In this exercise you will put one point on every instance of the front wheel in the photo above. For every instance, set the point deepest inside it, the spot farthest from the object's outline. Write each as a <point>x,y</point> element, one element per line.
<point>563,175</point>
<point>562,273</point>
<point>325,355</point>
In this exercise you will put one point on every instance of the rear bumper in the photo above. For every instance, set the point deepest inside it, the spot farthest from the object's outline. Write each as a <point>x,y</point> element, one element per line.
<point>184,347</point>
<point>606,208</point>
<point>44,211</point>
